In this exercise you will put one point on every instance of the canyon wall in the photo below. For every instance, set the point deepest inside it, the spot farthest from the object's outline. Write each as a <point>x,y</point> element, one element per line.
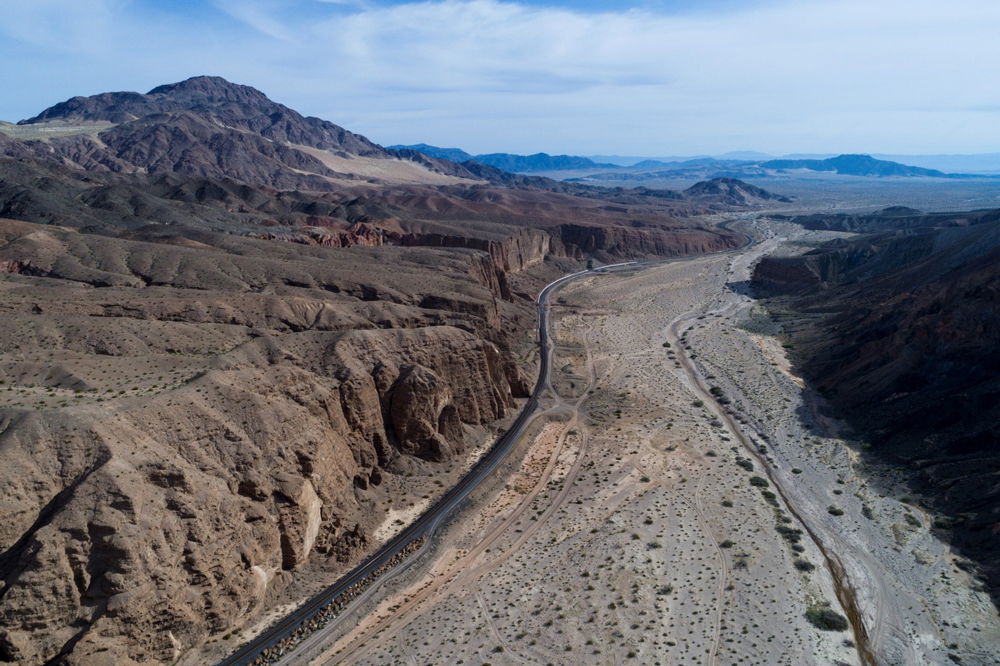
<point>185,427</point>
<point>900,334</point>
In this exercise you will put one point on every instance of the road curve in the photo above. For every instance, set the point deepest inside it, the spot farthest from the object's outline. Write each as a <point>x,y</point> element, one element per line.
<point>430,520</point>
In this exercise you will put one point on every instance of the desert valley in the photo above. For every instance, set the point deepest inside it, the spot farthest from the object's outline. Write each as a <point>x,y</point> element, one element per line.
<point>273,393</point>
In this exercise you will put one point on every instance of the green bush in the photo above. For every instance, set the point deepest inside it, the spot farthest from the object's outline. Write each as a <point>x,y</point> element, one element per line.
<point>827,619</point>
<point>789,534</point>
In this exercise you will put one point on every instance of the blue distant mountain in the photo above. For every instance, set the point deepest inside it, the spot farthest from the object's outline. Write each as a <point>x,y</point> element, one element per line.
<point>453,154</point>
<point>700,167</point>
<point>509,161</point>
<point>855,165</point>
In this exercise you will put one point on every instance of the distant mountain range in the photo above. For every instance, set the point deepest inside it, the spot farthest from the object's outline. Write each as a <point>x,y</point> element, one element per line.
<point>708,168</point>
<point>741,164</point>
<point>510,162</point>
<point>980,163</point>
<point>855,165</point>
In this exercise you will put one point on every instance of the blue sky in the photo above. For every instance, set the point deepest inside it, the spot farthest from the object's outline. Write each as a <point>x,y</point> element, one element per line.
<point>653,77</point>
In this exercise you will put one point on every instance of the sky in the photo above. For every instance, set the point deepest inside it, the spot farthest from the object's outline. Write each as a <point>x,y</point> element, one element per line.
<point>653,77</point>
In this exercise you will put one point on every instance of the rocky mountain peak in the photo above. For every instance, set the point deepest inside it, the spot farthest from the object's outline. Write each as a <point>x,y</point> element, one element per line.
<point>733,191</point>
<point>199,93</point>
<point>234,118</point>
<point>209,89</point>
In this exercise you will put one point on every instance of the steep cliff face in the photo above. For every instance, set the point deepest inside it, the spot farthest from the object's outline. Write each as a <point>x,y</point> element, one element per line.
<point>907,351</point>
<point>185,427</point>
<point>894,217</point>
<point>167,524</point>
<point>626,242</point>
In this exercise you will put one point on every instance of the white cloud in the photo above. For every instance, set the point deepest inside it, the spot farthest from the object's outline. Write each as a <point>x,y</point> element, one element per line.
<point>257,16</point>
<point>887,76</point>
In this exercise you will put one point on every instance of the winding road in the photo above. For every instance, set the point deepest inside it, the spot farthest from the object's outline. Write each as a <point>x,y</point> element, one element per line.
<point>427,524</point>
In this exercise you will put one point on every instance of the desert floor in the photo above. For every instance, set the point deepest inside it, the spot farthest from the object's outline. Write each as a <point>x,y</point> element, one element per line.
<point>682,500</point>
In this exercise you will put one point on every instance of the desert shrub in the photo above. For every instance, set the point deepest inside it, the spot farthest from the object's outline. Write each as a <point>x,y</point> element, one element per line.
<point>789,534</point>
<point>827,619</point>
<point>759,482</point>
<point>834,510</point>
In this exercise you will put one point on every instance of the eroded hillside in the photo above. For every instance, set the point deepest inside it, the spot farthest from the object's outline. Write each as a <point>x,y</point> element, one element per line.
<point>237,341</point>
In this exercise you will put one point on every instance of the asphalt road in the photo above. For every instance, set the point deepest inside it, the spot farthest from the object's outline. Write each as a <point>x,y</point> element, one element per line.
<point>430,520</point>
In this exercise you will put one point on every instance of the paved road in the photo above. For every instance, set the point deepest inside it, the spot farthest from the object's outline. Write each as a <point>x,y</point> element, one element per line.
<point>430,520</point>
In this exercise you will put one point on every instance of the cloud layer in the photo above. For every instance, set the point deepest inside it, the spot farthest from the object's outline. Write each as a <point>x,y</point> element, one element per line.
<point>843,75</point>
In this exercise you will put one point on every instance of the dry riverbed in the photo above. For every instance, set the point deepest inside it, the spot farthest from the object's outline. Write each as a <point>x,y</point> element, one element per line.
<point>681,501</point>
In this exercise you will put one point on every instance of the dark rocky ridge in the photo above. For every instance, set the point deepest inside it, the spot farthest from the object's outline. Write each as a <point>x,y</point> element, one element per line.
<point>906,349</point>
<point>894,217</point>
<point>226,104</point>
<point>733,192</point>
